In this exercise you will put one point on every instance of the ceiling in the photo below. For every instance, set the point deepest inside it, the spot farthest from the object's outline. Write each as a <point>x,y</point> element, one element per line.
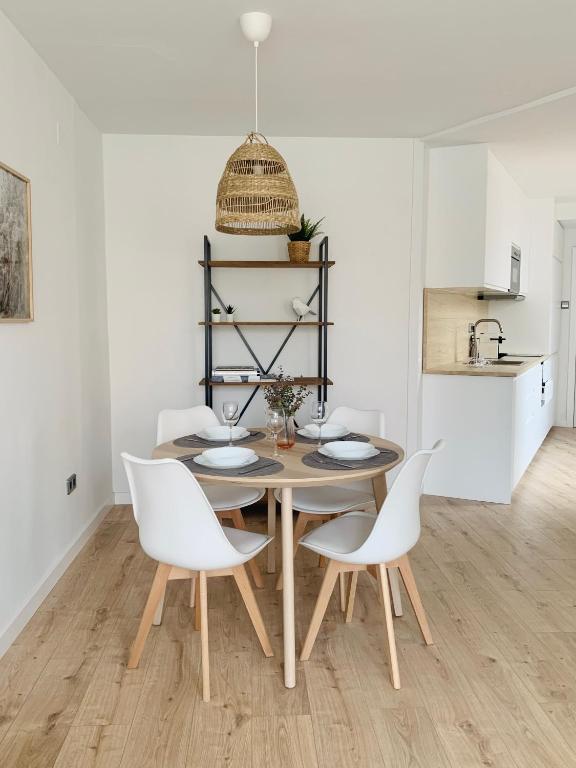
<point>329,68</point>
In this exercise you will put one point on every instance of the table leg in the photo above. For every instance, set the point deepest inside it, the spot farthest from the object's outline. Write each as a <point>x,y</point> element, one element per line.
<point>380,489</point>
<point>271,549</point>
<point>288,590</point>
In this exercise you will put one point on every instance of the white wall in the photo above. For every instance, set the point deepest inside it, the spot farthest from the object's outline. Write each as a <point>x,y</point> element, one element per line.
<point>567,357</point>
<point>532,326</point>
<point>54,397</point>
<point>160,193</point>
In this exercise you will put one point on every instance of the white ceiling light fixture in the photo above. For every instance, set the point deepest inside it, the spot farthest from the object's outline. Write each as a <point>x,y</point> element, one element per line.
<point>256,195</point>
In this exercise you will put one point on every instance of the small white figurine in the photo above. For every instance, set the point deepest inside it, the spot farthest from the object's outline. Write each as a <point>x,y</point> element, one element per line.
<point>301,308</point>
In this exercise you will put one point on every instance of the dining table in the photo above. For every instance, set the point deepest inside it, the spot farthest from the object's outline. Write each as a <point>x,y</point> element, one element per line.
<point>293,474</point>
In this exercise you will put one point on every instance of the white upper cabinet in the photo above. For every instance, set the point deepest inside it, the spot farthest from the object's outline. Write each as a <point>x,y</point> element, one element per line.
<point>476,211</point>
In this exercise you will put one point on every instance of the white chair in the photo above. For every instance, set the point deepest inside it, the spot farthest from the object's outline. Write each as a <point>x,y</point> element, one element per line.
<point>360,541</point>
<point>226,501</point>
<point>325,502</point>
<point>178,528</point>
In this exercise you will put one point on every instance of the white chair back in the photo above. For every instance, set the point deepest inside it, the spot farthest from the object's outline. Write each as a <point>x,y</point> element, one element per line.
<point>366,422</point>
<point>173,423</point>
<point>176,523</point>
<point>397,527</point>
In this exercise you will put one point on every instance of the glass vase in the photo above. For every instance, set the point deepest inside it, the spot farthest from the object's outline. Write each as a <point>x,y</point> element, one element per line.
<point>287,436</point>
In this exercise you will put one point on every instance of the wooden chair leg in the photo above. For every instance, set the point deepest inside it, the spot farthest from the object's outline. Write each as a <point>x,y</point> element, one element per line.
<point>342,584</point>
<point>156,592</point>
<point>389,626</point>
<point>197,616</point>
<point>238,521</point>
<point>299,528</point>
<point>157,620</point>
<point>193,592</point>
<point>271,549</point>
<point>395,590</point>
<point>414,595</point>
<point>373,571</point>
<point>204,636</point>
<point>351,595</point>
<point>243,583</point>
<point>320,608</point>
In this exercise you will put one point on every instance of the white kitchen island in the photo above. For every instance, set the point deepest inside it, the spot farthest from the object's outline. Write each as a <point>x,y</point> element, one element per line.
<point>493,419</point>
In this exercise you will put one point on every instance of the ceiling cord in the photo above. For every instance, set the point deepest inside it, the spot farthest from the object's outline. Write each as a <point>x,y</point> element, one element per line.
<point>256,85</point>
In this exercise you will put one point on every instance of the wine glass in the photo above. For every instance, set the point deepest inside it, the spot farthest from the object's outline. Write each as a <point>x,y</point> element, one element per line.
<point>275,424</point>
<point>319,414</point>
<point>230,415</point>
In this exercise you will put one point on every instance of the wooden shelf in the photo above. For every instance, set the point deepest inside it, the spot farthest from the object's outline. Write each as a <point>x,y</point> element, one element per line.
<point>312,381</point>
<point>256,264</point>
<point>286,323</point>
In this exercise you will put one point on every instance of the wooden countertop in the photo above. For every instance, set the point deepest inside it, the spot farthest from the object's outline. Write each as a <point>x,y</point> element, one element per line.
<point>462,369</point>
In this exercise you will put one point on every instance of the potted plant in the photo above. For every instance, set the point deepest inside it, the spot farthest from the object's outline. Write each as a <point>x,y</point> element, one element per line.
<point>299,245</point>
<point>230,309</point>
<point>216,315</point>
<point>283,395</point>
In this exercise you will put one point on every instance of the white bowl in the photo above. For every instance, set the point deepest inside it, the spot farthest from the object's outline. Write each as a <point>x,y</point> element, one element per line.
<point>223,433</point>
<point>328,430</point>
<point>228,457</point>
<point>205,463</point>
<point>349,449</point>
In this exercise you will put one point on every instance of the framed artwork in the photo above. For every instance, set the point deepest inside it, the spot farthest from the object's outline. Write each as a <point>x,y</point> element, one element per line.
<point>15,248</point>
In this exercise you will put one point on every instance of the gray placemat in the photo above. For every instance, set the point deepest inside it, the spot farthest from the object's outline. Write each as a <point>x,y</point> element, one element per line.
<point>260,468</point>
<point>193,441</point>
<point>353,436</point>
<point>319,461</point>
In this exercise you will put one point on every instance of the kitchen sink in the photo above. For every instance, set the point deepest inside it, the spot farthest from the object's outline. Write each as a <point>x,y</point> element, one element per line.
<point>507,362</point>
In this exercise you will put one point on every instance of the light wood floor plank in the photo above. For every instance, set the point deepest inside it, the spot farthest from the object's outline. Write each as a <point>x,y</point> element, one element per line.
<point>93,747</point>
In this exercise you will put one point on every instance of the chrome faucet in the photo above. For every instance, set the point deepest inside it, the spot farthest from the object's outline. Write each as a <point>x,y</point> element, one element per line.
<point>474,347</point>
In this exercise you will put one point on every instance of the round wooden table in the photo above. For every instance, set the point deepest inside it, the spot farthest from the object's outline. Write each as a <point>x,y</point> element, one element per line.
<point>294,475</point>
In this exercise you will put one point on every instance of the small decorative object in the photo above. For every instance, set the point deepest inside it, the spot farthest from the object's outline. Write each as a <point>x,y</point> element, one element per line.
<point>230,309</point>
<point>216,315</point>
<point>256,195</point>
<point>299,245</point>
<point>283,394</point>
<point>301,308</point>
<point>15,247</point>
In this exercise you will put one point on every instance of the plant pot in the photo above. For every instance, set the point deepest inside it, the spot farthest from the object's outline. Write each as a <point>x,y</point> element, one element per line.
<point>299,251</point>
<point>230,318</point>
<point>287,436</point>
<point>215,318</point>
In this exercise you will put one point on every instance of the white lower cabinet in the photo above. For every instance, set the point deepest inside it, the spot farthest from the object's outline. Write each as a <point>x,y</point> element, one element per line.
<point>493,427</point>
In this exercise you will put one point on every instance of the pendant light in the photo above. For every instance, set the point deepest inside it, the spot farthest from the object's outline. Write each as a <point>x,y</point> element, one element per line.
<point>256,195</point>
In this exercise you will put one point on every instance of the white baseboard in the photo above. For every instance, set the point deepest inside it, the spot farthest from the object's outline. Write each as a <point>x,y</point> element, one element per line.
<point>49,580</point>
<point>122,497</point>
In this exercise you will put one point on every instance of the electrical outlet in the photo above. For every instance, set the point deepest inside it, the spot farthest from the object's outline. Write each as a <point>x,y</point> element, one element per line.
<point>70,484</point>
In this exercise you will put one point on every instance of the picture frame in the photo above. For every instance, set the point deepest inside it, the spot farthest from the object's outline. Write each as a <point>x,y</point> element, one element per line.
<point>16,294</point>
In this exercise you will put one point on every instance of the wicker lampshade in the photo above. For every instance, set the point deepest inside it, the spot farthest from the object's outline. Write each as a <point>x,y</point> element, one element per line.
<point>256,195</point>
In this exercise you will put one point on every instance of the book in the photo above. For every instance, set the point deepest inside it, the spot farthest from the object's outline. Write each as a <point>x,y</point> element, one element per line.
<point>238,370</point>
<point>226,368</point>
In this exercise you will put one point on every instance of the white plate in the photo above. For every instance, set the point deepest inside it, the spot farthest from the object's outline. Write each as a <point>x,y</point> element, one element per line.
<point>349,450</point>
<point>222,433</point>
<point>328,431</point>
<point>228,457</point>
<point>206,463</point>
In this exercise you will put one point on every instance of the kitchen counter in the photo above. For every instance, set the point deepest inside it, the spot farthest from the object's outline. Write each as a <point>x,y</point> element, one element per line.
<point>493,424</point>
<point>462,369</point>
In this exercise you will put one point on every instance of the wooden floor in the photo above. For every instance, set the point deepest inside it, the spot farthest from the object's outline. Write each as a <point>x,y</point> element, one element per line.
<point>497,689</point>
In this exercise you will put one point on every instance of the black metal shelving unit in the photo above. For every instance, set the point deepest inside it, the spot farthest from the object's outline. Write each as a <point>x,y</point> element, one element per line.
<point>321,381</point>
